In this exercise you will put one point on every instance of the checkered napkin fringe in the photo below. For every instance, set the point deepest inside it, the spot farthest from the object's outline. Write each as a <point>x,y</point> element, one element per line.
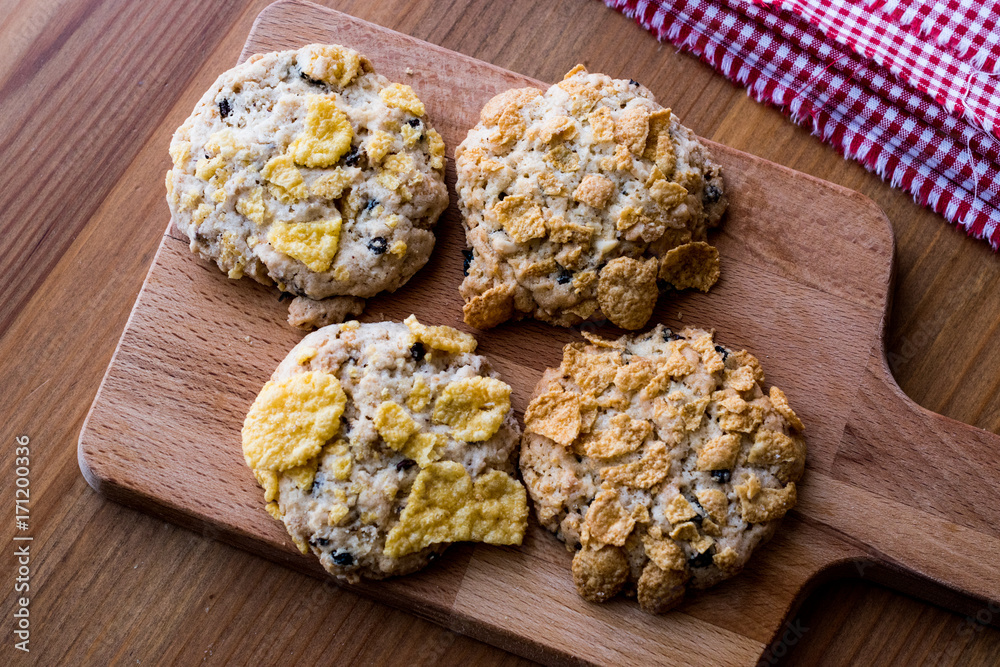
<point>906,87</point>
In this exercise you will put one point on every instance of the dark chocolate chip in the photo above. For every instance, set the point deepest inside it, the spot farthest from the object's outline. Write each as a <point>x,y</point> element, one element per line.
<point>564,277</point>
<point>319,542</point>
<point>224,108</point>
<point>669,335</point>
<point>352,158</point>
<point>723,351</point>
<point>315,82</point>
<point>372,203</point>
<point>343,558</point>
<point>466,262</point>
<point>712,194</point>
<point>378,245</point>
<point>502,196</point>
<point>633,82</point>
<point>417,351</point>
<point>703,559</point>
<point>722,476</point>
<point>413,122</point>
<point>405,464</point>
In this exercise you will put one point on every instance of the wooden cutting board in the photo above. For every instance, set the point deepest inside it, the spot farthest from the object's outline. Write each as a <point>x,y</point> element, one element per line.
<point>892,492</point>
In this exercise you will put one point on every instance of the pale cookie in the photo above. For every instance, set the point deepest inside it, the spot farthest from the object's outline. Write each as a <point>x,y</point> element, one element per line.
<point>379,444</point>
<point>307,169</point>
<point>583,202</point>
<point>661,461</point>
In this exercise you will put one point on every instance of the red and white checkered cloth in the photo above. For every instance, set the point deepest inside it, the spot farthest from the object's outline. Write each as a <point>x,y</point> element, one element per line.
<point>906,87</point>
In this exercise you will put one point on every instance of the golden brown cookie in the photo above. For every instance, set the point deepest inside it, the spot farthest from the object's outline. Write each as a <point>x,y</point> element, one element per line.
<point>661,461</point>
<point>583,202</point>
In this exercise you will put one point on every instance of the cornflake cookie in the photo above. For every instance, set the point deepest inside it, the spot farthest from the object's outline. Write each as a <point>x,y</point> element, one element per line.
<point>307,169</point>
<point>583,202</point>
<point>661,460</point>
<point>379,444</point>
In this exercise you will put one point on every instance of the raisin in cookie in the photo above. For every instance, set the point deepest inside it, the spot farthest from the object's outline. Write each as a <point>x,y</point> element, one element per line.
<point>661,460</point>
<point>378,444</point>
<point>582,202</point>
<point>307,169</point>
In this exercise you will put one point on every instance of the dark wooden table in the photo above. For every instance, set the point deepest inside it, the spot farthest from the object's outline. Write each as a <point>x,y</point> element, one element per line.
<point>90,91</point>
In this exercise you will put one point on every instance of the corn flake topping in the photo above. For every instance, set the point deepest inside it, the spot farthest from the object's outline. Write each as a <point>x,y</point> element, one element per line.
<point>474,407</point>
<point>291,419</point>
<point>445,505</point>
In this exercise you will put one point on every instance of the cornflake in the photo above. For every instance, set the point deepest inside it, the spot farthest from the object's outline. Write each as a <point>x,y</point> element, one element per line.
<point>767,504</point>
<point>659,147</point>
<point>291,419</point>
<point>664,552</point>
<point>780,403</point>
<point>592,372</point>
<point>777,449</point>
<point>442,338</point>
<point>607,521</point>
<point>420,395</point>
<point>691,265</point>
<point>602,125</point>
<point>594,190</point>
<point>627,292</point>
<point>331,63</point>
<point>401,96</point>
<point>268,480</point>
<point>715,503</point>
<point>281,171</point>
<point>474,407</point>
<point>719,453</point>
<point>632,127</point>
<point>521,218</point>
<point>622,436</point>
<point>314,244</point>
<point>326,136</point>
<point>394,425</point>
<point>252,206</point>
<point>634,375</point>
<point>679,510</point>
<point>445,505</point>
<point>555,415</point>
<point>492,307</point>
<point>650,470</point>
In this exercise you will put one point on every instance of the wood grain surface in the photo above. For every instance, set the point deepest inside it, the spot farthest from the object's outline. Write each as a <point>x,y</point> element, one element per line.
<point>112,585</point>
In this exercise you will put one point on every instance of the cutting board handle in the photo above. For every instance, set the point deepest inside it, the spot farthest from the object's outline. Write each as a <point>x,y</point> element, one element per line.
<point>917,490</point>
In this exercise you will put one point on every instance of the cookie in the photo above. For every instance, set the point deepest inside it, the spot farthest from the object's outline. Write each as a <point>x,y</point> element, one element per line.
<point>379,444</point>
<point>583,203</point>
<point>307,169</point>
<point>661,461</point>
